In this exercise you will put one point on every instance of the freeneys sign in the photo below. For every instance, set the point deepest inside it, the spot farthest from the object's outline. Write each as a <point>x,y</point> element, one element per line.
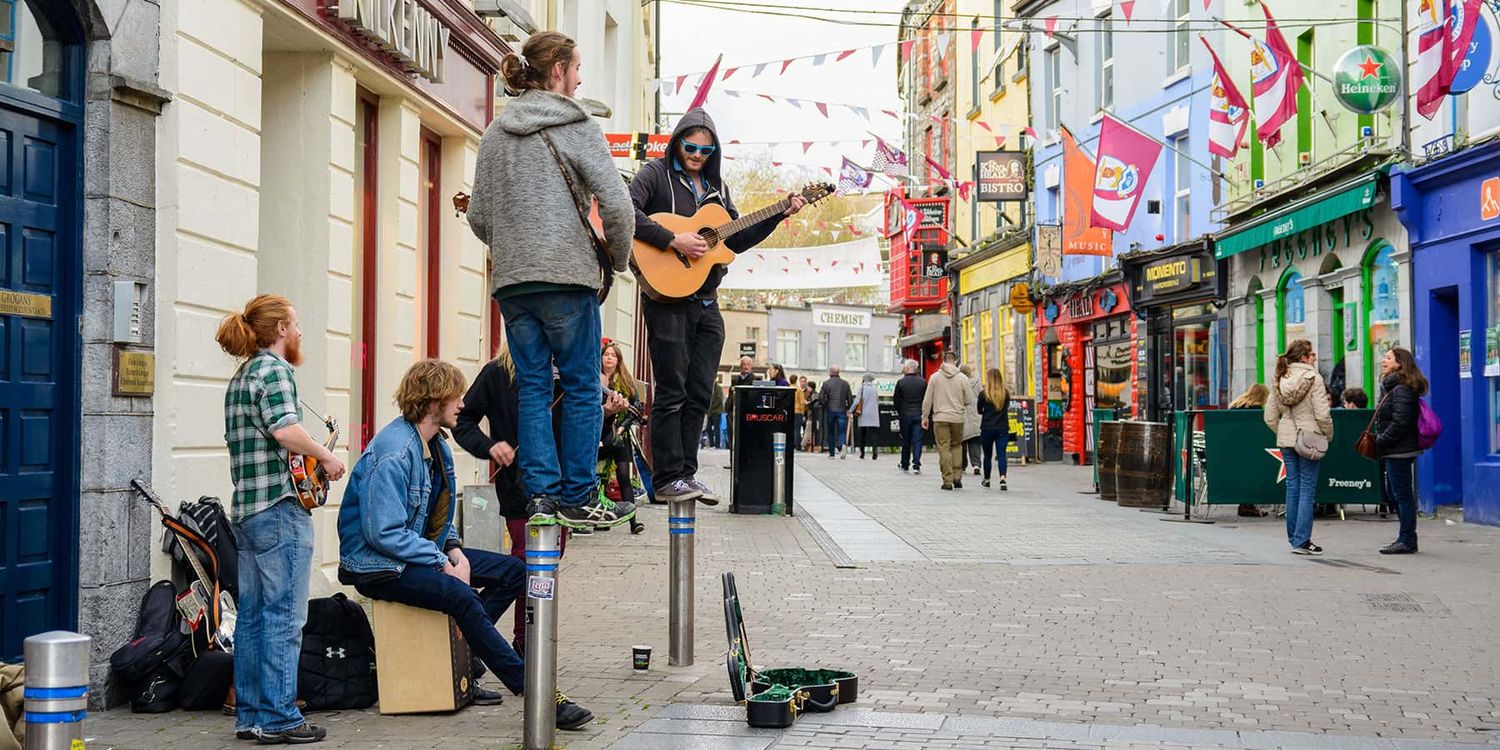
<point>824,317</point>
<point>403,28</point>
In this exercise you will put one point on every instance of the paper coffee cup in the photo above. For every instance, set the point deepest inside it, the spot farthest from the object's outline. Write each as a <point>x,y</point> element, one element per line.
<point>640,658</point>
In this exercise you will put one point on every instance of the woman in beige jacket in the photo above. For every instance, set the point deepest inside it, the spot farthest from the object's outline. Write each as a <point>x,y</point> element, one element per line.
<point>1299,403</point>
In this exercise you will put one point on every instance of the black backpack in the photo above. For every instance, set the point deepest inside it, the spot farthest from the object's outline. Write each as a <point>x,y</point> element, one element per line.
<point>337,666</point>
<point>158,653</point>
<point>207,517</point>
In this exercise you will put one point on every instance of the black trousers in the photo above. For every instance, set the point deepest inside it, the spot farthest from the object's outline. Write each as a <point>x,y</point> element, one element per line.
<point>684,341</point>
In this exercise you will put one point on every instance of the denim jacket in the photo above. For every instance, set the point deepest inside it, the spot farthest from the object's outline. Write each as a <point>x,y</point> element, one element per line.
<point>385,506</point>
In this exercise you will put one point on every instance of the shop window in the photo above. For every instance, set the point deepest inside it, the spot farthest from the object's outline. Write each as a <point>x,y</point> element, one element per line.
<point>986,338</point>
<point>892,355</point>
<point>967,326</point>
<point>821,355</point>
<point>1291,311</point>
<point>1382,308</point>
<point>857,352</point>
<point>1196,343</point>
<point>789,347</point>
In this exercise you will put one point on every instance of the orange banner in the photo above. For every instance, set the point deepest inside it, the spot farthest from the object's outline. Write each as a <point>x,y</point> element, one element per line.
<point>620,144</point>
<point>1078,200</point>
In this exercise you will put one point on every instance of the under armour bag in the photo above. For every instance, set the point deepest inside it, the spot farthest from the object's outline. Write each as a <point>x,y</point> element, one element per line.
<point>153,662</point>
<point>337,666</point>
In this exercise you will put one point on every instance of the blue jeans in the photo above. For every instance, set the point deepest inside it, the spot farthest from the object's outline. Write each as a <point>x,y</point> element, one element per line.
<point>275,557</point>
<point>995,441</point>
<point>499,578</point>
<point>838,424</point>
<point>560,328</point>
<point>1398,487</point>
<point>1301,485</point>
<point>911,442</point>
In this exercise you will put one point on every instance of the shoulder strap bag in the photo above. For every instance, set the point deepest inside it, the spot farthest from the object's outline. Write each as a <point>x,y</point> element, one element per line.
<point>601,247</point>
<point>1365,446</point>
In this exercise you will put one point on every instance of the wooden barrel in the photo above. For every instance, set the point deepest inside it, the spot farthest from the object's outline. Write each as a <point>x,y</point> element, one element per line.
<point>1105,454</point>
<point>1143,467</point>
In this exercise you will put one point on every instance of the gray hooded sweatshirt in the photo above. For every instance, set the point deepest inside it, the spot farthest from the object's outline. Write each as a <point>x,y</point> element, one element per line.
<point>520,202</point>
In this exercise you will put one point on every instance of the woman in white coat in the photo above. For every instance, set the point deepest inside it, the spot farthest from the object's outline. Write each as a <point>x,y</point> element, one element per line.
<point>867,404</point>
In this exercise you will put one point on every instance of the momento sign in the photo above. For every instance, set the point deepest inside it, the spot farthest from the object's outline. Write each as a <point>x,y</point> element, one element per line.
<point>1001,175</point>
<point>405,29</point>
<point>1179,275</point>
<point>1366,79</point>
<point>824,317</point>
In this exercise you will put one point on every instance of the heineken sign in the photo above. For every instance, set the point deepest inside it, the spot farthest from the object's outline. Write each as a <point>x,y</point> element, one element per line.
<point>1367,79</point>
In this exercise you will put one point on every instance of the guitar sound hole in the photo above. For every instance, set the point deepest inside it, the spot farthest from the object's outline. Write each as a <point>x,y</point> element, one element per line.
<point>709,235</point>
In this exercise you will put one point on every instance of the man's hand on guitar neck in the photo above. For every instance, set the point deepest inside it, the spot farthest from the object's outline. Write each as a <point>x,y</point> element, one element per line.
<point>296,440</point>
<point>689,244</point>
<point>797,204</point>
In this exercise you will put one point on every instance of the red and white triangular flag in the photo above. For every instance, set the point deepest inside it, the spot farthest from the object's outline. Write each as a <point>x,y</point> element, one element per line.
<point>845,54</point>
<point>975,37</point>
<point>806,146</point>
<point>1127,8</point>
<point>787,63</point>
<point>729,73</point>
<point>822,108</point>
<point>906,48</point>
<point>1051,25</point>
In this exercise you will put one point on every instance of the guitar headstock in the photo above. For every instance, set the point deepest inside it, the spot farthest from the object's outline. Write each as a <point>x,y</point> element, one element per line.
<point>816,191</point>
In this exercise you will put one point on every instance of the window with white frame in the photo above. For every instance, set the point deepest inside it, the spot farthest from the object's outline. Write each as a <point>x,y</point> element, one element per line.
<point>1054,87</point>
<point>857,351</point>
<point>999,82</point>
<point>1183,184</point>
<point>1106,40</point>
<point>822,354</point>
<point>892,355</point>
<point>1182,13</point>
<point>789,347</point>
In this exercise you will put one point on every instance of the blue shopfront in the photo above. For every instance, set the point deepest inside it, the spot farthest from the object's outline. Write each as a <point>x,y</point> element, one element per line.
<point>1451,209</point>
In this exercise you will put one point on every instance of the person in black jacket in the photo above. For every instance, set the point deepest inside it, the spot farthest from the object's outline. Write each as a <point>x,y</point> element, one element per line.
<point>910,390</point>
<point>685,337</point>
<point>994,423</point>
<point>1402,385</point>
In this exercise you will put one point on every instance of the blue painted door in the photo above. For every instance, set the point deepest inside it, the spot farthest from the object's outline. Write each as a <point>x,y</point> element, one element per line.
<point>39,352</point>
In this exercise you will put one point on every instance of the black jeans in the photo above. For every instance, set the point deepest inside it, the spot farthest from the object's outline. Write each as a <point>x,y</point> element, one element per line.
<point>684,340</point>
<point>994,443</point>
<point>499,578</point>
<point>868,437</point>
<point>1398,488</point>
<point>911,442</point>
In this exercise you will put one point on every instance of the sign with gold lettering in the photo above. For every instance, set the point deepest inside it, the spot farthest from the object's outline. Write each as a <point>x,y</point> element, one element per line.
<point>135,373</point>
<point>25,304</point>
<point>1175,276</point>
<point>403,28</point>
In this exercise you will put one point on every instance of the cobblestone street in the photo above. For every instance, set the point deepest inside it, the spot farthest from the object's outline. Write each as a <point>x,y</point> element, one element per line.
<point>1038,617</point>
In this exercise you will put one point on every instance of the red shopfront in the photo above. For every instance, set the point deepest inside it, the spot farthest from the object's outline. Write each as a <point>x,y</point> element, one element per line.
<point>919,277</point>
<point>1089,354</point>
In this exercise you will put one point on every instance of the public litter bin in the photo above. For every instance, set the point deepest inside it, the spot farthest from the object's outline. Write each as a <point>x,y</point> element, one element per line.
<point>759,413</point>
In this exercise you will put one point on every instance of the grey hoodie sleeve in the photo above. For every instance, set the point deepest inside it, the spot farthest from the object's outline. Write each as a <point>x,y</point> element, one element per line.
<point>597,168</point>
<point>486,170</point>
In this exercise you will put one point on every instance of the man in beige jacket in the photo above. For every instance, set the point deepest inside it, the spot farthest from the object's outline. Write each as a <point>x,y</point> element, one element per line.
<point>948,399</point>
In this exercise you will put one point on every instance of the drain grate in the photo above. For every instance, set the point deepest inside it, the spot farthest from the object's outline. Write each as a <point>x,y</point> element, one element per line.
<point>1392,603</point>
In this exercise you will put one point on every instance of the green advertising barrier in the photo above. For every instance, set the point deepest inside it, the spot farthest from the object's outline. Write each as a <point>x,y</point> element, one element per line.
<point>1100,416</point>
<point>1181,434</point>
<point>1243,463</point>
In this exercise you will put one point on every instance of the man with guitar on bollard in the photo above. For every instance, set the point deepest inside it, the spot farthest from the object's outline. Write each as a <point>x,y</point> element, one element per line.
<point>686,226</point>
<point>263,429</point>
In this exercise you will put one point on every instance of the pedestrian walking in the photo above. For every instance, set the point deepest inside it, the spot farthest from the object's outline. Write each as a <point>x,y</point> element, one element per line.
<point>867,414</point>
<point>837,398</point>
<point>1254,397</point>
<point>815,417</point>
<point>1402,386</point>
<point>910,390</point>
<point>799,421</point>
<point>539,163</point>
<point>1297,411</point>
<point>715,415</point>
<point>947,400</point>
<point>972,422</point>
<point>994,424</point>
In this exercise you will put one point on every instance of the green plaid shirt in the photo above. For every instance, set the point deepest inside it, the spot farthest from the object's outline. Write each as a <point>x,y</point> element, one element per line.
<point>262,398</point>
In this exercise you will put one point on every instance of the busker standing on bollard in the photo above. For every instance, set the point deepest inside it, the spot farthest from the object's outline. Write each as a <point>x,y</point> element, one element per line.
<point>948,399</point>
<point>263,425</point>
<point>539,163</point>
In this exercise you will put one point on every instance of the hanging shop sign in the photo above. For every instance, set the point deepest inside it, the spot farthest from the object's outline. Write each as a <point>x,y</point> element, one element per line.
<point>934,264</point>
<point>1001,175</point>
<point>1020,299</point>
<point>403,28</point>
<point>1366,79</point>
<point>1475,65</point>
<point>1171,277</point>
<point>1339,234</point>
<point>931,213</point>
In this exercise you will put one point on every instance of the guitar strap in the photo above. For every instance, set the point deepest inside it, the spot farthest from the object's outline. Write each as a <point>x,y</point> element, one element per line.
<point>187,536</point>
<point>601,247</point>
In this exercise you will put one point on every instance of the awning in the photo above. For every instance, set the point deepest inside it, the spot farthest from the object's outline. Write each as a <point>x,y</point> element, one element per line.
<point>917,339</point>
<point>1335,203</point>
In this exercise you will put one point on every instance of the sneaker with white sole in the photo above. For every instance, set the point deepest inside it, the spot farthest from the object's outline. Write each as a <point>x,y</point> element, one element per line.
<point>301,734</point>
<point>1307,549</point>
<point>597,513</point>
<point>706,494</point>
<point>679,490</point>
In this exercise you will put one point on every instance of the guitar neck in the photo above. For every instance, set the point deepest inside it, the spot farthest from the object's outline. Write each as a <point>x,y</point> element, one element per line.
<point>192,556</point>
<point>751,219</point>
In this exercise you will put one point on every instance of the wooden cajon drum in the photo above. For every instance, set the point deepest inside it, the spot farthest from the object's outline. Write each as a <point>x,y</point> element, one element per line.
<point>421,660</point>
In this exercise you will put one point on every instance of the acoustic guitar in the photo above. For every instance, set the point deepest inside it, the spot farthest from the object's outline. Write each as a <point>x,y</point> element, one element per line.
<point>670,275</point>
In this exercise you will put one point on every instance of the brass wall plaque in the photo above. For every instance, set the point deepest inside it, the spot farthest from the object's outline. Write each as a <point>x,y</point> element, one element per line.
<point>135,373</point>
<point>25,304</point>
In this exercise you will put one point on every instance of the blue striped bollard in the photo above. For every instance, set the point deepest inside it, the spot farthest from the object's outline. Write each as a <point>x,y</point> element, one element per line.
<point>543,553</point>
<point>680,523</point>
<point>56,697</point>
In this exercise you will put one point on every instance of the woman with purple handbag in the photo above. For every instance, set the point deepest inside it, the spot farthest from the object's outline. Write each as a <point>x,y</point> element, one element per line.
<point>1398,440</point>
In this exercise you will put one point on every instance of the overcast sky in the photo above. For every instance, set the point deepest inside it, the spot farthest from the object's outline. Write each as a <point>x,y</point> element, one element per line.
<point>692,36</point>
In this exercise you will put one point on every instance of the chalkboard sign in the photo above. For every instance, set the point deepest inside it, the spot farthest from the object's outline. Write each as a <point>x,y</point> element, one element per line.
<point>1022,428</point>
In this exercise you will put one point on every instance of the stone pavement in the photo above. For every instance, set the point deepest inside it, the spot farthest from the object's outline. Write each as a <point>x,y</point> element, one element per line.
<point>1041,607</point>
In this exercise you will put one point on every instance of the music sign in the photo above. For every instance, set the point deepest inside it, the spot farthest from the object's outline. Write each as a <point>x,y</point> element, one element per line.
<point>1002,176</point>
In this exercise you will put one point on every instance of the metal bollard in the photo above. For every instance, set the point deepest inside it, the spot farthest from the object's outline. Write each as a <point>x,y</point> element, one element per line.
<point>681,519</point>
<point>778,473</point>
<point>543,553</point>
<point>56,697</point>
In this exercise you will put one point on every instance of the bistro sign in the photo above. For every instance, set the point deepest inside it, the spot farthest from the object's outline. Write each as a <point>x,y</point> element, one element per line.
<point>405,29</point>
<point>1002,175</point>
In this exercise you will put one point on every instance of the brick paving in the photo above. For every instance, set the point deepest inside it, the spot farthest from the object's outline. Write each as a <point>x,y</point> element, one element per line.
<point>1038,605</point>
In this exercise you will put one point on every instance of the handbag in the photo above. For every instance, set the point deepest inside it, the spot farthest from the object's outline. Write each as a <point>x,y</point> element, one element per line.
<point>601,246</point>
<point>1365,445</point>
<point>1311,445</point>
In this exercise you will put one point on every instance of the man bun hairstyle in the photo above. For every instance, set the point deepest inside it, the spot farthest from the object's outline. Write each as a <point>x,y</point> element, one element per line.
<point>244,333</point>
<point>431,381</point>
<point>532,68</point>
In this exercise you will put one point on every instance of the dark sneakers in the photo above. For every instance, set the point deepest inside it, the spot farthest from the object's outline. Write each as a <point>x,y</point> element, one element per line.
<point>570,715</point>
<point>706,494</point>
<point>679,490</point>
<point>1307,549</point>
<point>298,735</point>
<point>1398,548</point>
<point>484,696</point>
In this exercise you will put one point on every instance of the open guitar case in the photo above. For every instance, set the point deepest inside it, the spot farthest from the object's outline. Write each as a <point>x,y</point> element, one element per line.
<point>774,697</point>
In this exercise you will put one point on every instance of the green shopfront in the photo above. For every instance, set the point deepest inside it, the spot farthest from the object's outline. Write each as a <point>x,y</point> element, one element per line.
<point>1331,265</point>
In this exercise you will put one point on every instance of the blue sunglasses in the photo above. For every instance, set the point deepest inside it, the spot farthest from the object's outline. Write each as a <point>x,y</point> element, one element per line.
<point>693,148</point>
